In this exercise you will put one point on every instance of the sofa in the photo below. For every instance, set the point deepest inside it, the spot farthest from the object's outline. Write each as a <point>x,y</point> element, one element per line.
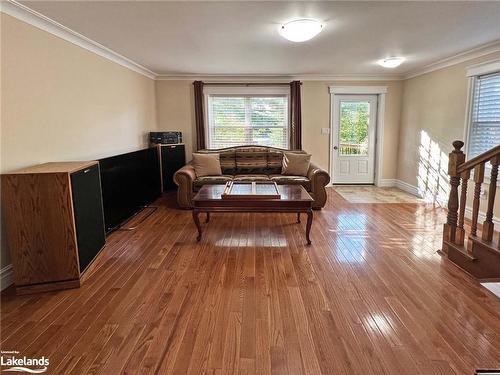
<point>250,163</point>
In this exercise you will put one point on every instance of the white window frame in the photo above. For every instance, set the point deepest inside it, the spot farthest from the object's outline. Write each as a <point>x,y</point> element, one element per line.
<point>473,72</point>
<point>214,91</point>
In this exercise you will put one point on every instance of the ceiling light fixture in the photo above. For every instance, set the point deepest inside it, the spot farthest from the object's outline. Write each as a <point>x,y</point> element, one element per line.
<point>300,30</point>
<point>391,62</point>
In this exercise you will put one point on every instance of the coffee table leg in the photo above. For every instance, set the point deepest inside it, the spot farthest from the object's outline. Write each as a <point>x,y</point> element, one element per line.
<point>208,217</point>
<point>308,226</point>
<point>298,217</point>
<point>197,222</point>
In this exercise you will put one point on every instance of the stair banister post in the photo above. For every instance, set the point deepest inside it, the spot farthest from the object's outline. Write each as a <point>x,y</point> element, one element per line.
<point>456,158</point>
<point>460,236</point>
<point>478,182</point>
<point>488,227</point>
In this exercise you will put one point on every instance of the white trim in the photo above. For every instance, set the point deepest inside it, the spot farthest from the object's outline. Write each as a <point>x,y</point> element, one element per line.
<point>481,216</point>
<point>38,20</point>
<point>392,182</point>
<point>408,188</point>
<point>468,112</point>
<point>379,138</point>
<point>487,67</point>
<point>272,78</point>
<point>214,91</point>
<point>6,277</point>
<point>387,182</point>
<point>380,91</point>
<point>34,18</point>
<point>358,90</point>
<point>370,157</point>
<point>471,86</point>
<point>464,56</point>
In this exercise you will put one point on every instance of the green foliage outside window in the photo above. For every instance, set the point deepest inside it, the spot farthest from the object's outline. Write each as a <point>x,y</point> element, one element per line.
<point>354,128</point>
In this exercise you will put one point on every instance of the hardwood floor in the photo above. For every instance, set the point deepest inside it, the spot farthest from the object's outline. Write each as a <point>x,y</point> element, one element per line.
<point>369,296</point>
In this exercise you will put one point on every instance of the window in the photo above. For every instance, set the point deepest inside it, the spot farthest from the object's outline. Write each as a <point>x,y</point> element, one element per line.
<point>484,130</point>
<point>247,116</point>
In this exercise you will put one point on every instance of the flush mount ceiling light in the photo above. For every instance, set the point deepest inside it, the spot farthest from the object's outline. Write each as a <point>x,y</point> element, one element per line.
<point>300,30</point>
<point>391,62</point>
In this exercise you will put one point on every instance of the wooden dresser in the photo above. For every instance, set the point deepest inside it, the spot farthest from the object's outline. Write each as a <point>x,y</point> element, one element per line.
<point>54,221</point>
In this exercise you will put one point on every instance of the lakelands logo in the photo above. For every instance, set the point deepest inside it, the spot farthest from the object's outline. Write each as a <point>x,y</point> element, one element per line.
<point>23,364</point>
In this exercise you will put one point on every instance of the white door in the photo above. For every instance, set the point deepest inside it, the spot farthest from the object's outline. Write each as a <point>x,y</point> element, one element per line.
<point>353,139</point>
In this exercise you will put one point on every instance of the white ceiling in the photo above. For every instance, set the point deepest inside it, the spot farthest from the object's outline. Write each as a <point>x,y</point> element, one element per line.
<point>241,37</point>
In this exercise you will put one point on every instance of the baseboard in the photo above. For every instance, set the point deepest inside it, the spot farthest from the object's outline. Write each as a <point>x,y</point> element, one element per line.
<point>481,217</point>
<point>392,182</point>
<point>6,277</point>
<point>415,191</point>
<point>408,188</point>
<point>387,182</point>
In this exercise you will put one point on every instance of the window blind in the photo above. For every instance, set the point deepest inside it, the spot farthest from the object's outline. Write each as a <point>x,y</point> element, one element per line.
<point>247,120</point>
<point>485,118</point>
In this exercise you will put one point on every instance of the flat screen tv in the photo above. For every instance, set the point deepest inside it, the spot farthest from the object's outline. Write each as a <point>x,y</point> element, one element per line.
<point>129,183</point>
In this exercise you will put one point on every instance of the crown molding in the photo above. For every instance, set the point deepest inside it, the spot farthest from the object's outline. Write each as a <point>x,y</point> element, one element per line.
<point>38,20</point>
<point>461,57</point>
<point>278,78</point>
<point>486,67</point>
<point>224,77</point>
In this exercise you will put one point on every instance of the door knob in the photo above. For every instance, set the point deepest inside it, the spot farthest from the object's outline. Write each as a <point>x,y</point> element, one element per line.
<point>335,148</point>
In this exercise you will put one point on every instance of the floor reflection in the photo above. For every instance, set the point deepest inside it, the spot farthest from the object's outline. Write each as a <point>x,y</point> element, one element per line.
<point>349,240</point>
<point>379,322</point>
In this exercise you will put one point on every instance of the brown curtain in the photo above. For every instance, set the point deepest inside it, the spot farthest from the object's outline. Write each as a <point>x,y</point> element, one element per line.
<point>198,115</point>
<point>295,116</point>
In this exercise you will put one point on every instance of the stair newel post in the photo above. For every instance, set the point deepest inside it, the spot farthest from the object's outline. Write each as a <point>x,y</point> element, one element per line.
<point>488,226</point>
<point>456,158</point>
<point>460,236</point>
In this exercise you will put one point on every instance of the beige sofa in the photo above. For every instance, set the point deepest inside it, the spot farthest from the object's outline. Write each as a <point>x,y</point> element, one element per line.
<point>250,163</point>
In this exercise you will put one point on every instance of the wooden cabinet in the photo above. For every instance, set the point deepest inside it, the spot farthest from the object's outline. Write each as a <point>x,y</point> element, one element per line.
<point>173,158</point>
<point>54,221</point>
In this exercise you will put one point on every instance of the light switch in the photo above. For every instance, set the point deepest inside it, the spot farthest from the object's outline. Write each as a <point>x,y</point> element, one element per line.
<point>325,130</point>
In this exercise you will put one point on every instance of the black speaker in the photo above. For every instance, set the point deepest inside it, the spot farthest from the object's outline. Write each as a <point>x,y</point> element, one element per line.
<point>173,158</point>
<point>158,138</point>
<point>88,211</point>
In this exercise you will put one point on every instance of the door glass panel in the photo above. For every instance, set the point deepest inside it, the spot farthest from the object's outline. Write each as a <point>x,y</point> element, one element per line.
<point>353,132</point>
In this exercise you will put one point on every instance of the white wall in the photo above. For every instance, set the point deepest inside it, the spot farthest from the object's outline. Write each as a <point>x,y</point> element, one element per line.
<point>61,102</point>
<point>432,117</point>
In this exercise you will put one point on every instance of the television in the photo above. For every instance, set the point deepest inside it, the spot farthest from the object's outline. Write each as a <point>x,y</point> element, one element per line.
<point>129,183</point>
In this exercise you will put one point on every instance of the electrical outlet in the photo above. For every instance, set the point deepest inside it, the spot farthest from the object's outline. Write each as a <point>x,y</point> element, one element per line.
<point>325,130</point>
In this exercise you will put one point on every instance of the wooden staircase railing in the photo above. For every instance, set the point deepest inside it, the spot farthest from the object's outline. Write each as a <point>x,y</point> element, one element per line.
<point>454,235</point>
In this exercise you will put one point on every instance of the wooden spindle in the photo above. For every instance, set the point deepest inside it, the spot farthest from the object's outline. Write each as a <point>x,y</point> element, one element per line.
<point>456,158</point>
<point>488,226</point>
<point>460,236</point>
<point>478,182</point>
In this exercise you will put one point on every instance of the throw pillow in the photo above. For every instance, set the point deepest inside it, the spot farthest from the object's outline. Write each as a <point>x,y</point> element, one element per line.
<point>206,165</point>
<point>295,164</point>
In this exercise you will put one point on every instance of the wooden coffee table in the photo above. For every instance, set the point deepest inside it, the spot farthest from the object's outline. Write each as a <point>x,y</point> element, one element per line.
<point>294,199</point>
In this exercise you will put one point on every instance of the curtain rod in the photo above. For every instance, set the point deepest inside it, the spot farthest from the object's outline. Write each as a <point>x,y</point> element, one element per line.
<point>247,83</point>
